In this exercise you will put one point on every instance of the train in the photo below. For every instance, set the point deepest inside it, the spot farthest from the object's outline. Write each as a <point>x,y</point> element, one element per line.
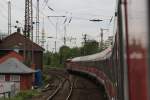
<point>123,68</point>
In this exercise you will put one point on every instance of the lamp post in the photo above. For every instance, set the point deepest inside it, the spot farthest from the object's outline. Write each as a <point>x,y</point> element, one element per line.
<point>101,33</point>
<point>96,20</point>
<point>48,42</point>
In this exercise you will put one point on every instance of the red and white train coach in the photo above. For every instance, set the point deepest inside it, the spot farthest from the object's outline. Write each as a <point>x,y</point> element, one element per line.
<point>124,69</point>
<point>95,66</point>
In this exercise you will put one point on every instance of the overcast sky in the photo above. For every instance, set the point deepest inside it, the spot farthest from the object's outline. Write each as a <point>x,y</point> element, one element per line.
<point>79,11</point>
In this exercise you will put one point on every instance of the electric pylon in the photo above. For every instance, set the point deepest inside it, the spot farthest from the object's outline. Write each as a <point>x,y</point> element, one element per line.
<point>28,31</point>
<point>28,28</point>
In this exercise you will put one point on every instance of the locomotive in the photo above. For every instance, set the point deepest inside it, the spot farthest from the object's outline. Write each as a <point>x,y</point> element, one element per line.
<point>123,68</point>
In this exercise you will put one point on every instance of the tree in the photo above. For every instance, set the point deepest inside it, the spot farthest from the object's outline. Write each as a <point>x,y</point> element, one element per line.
<point>64,54</point>
<point>47,58</point>
<point>90,47</point>
<point>75,52</point>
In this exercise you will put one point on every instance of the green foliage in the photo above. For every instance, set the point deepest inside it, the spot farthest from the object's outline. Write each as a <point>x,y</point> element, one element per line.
<point>46,79</point>
<point>47,58</point>
<point>65,52</point>
<point>75,52</point>
<point>24,95</point>
<point>90,47</point>
<point>55,60</point>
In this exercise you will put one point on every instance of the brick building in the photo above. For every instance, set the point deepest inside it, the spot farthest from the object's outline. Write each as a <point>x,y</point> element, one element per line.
<point>12,70</point>
<point>25,47</point>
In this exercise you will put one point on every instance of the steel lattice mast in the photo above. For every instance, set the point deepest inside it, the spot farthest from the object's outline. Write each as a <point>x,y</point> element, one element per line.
<point>28,28</point>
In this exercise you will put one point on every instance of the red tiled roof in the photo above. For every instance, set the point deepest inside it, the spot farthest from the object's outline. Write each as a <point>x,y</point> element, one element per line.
<point>11,55</point>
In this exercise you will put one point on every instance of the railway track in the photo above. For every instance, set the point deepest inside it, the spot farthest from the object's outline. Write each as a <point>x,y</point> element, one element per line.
<point>65,84</point>
<point>54,85</point>
<point>63,89</point>
<point>69,87</point>
<point>83,89</point>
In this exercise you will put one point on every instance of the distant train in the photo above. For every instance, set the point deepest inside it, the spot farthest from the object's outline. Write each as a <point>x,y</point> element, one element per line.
<point>123,68</point>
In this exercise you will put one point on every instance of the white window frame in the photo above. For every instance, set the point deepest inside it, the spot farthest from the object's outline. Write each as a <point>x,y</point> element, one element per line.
<point>15,78</point>
<point>2,78</point>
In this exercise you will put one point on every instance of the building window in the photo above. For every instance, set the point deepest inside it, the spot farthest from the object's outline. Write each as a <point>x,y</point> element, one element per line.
<point>2,77</point>
<point>15,78</point>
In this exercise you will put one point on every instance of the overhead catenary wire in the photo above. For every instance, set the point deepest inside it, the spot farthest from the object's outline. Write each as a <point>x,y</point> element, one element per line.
<point>77,17</point>
<point>43,14</point>
<point>45,2</point>
<point>70,18</point>
<point>86,14</point>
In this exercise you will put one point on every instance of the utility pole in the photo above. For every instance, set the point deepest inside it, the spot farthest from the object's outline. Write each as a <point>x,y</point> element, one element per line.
<point>48,42</point>
<point>9,17</point>
<point>72,39</point>
<point>101,36</point>
<point>56,35</point>
<point>43,35</point>
<point>65,31</point>
<point>85,38</point>
<point>37,22</point>
<point>56,29</point>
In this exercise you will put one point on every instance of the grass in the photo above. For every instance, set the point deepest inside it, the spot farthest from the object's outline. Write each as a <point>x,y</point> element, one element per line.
<point>24,95</point>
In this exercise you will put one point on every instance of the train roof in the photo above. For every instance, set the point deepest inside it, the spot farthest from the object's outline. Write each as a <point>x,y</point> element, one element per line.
<point>105,54</point>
